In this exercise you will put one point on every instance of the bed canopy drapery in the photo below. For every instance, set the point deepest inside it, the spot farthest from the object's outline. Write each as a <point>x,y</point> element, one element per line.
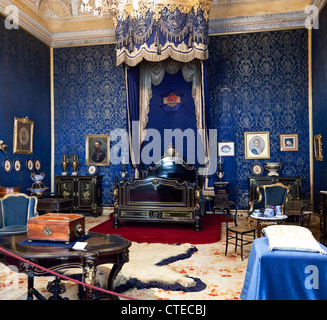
<point>178,30</point>
<point>165,39</point>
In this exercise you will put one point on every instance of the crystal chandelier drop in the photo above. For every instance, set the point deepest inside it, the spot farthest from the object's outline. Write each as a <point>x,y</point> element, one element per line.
<point>124,9</point>
<point>118,9</point>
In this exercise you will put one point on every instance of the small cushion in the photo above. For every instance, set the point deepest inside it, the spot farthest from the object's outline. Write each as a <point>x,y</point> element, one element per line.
<point>289,237</point>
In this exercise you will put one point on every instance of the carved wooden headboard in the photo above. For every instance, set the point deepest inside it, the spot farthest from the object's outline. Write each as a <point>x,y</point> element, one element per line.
<point>173,168</point>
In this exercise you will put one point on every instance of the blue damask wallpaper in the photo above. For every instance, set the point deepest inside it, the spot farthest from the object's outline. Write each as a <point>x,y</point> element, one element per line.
<point>90,98</point>
<point>25,92</point>
<point>259,82</point>
<point>319,91</point>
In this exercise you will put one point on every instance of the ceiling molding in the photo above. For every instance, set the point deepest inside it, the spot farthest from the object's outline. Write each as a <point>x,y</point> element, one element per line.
<point>102,35</point>
<point>258,23</point>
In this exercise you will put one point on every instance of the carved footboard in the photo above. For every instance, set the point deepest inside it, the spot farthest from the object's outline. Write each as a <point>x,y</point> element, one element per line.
<point>157,199</point>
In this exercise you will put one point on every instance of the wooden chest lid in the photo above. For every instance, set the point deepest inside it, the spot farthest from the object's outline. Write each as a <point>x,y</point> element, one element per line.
<point>58,217</point>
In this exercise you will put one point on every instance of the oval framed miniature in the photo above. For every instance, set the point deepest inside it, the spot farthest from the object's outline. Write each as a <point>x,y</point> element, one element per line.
<point>7,165</point>
<point>17,165</point>
<point>37,164</point>
<point>29,164</point>
<point>92,170</point>
<point>257,169</point>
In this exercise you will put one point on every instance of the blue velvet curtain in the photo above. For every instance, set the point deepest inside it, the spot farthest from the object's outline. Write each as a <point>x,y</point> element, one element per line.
<point>132,75</point>
<point>208,187</point>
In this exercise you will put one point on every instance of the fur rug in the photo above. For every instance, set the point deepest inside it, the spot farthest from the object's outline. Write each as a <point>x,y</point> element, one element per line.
<point>147,265</point>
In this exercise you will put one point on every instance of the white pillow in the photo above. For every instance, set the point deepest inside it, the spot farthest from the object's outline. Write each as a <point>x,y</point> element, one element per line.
<point>289,237</point>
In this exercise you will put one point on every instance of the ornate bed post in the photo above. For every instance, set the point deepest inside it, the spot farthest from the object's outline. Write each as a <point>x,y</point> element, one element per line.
<point>197,220</point>
<point>115,223</point>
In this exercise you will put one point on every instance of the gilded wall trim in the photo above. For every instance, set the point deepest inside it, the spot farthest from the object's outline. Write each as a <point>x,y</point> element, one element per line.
<point>310,116</point>
<point>52,120</point>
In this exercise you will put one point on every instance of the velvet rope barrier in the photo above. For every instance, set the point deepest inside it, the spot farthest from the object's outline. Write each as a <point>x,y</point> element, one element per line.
<point>65,277</point>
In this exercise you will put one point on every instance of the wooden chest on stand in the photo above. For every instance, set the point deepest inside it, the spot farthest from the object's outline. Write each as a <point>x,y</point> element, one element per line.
<point>56,227</point>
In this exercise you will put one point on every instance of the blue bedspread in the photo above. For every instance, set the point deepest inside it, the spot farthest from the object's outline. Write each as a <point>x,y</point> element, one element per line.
<point>284,275</point>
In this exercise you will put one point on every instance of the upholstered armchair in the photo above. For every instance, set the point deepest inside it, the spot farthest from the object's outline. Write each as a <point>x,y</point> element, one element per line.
<point>15,210</point>
<point>269,195</point>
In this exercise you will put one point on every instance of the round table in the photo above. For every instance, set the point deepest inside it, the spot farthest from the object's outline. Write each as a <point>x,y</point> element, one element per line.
<point>263,219</point>
<point>101,249</point>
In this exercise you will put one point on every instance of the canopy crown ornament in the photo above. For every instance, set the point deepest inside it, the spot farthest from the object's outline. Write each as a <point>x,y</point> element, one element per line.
<point>121,10</point>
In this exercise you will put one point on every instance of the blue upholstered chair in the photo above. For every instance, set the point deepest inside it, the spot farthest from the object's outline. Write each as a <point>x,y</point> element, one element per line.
<point>270,195</point>
<point>15,210</point>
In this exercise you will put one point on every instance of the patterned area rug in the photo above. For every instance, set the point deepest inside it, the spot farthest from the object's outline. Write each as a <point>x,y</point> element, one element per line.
<point>222,275</point>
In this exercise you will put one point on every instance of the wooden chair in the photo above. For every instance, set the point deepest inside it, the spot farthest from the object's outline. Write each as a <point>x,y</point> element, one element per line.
<point>300,210</point>
<point>236,235</point>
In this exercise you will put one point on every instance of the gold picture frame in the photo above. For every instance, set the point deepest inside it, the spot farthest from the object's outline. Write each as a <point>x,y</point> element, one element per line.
<point>318,147</point>
<point>256,145</point>
<point>97,149</point>
<point>289,142</point>
<point>23,135</point>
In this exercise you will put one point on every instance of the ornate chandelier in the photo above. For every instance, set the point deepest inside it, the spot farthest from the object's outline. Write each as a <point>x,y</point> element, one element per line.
<point>121,10</point>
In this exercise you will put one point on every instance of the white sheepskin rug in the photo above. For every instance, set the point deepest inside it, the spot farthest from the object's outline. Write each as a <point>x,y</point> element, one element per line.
<point>143,258</point>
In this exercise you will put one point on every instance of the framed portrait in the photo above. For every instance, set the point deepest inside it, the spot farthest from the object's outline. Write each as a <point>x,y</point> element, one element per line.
<point>23,135</point>
<point>226,149</point>
<point>289,142</point>
<point>318,147</point>
<point>256,145</point>
<point>97,149</point>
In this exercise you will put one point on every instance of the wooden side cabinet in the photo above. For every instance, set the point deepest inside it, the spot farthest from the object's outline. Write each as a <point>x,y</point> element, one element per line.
<point>86,191</point>
<point>294,183</point>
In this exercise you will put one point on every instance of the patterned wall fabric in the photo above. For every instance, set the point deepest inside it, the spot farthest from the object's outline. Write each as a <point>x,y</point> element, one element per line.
<point>259,82</point>
<point>90,98</point>
<point>24,92</point>
<point>319,90</point>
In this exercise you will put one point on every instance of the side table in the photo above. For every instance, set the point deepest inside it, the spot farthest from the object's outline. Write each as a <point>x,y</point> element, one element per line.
<point>264,220</point>
<point>101,249</point>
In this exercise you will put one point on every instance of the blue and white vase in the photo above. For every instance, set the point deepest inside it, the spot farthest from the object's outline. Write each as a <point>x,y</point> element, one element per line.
<point>279,211</point>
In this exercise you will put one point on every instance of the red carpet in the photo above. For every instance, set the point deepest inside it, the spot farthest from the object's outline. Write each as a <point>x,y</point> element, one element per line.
<point>165,232</point>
